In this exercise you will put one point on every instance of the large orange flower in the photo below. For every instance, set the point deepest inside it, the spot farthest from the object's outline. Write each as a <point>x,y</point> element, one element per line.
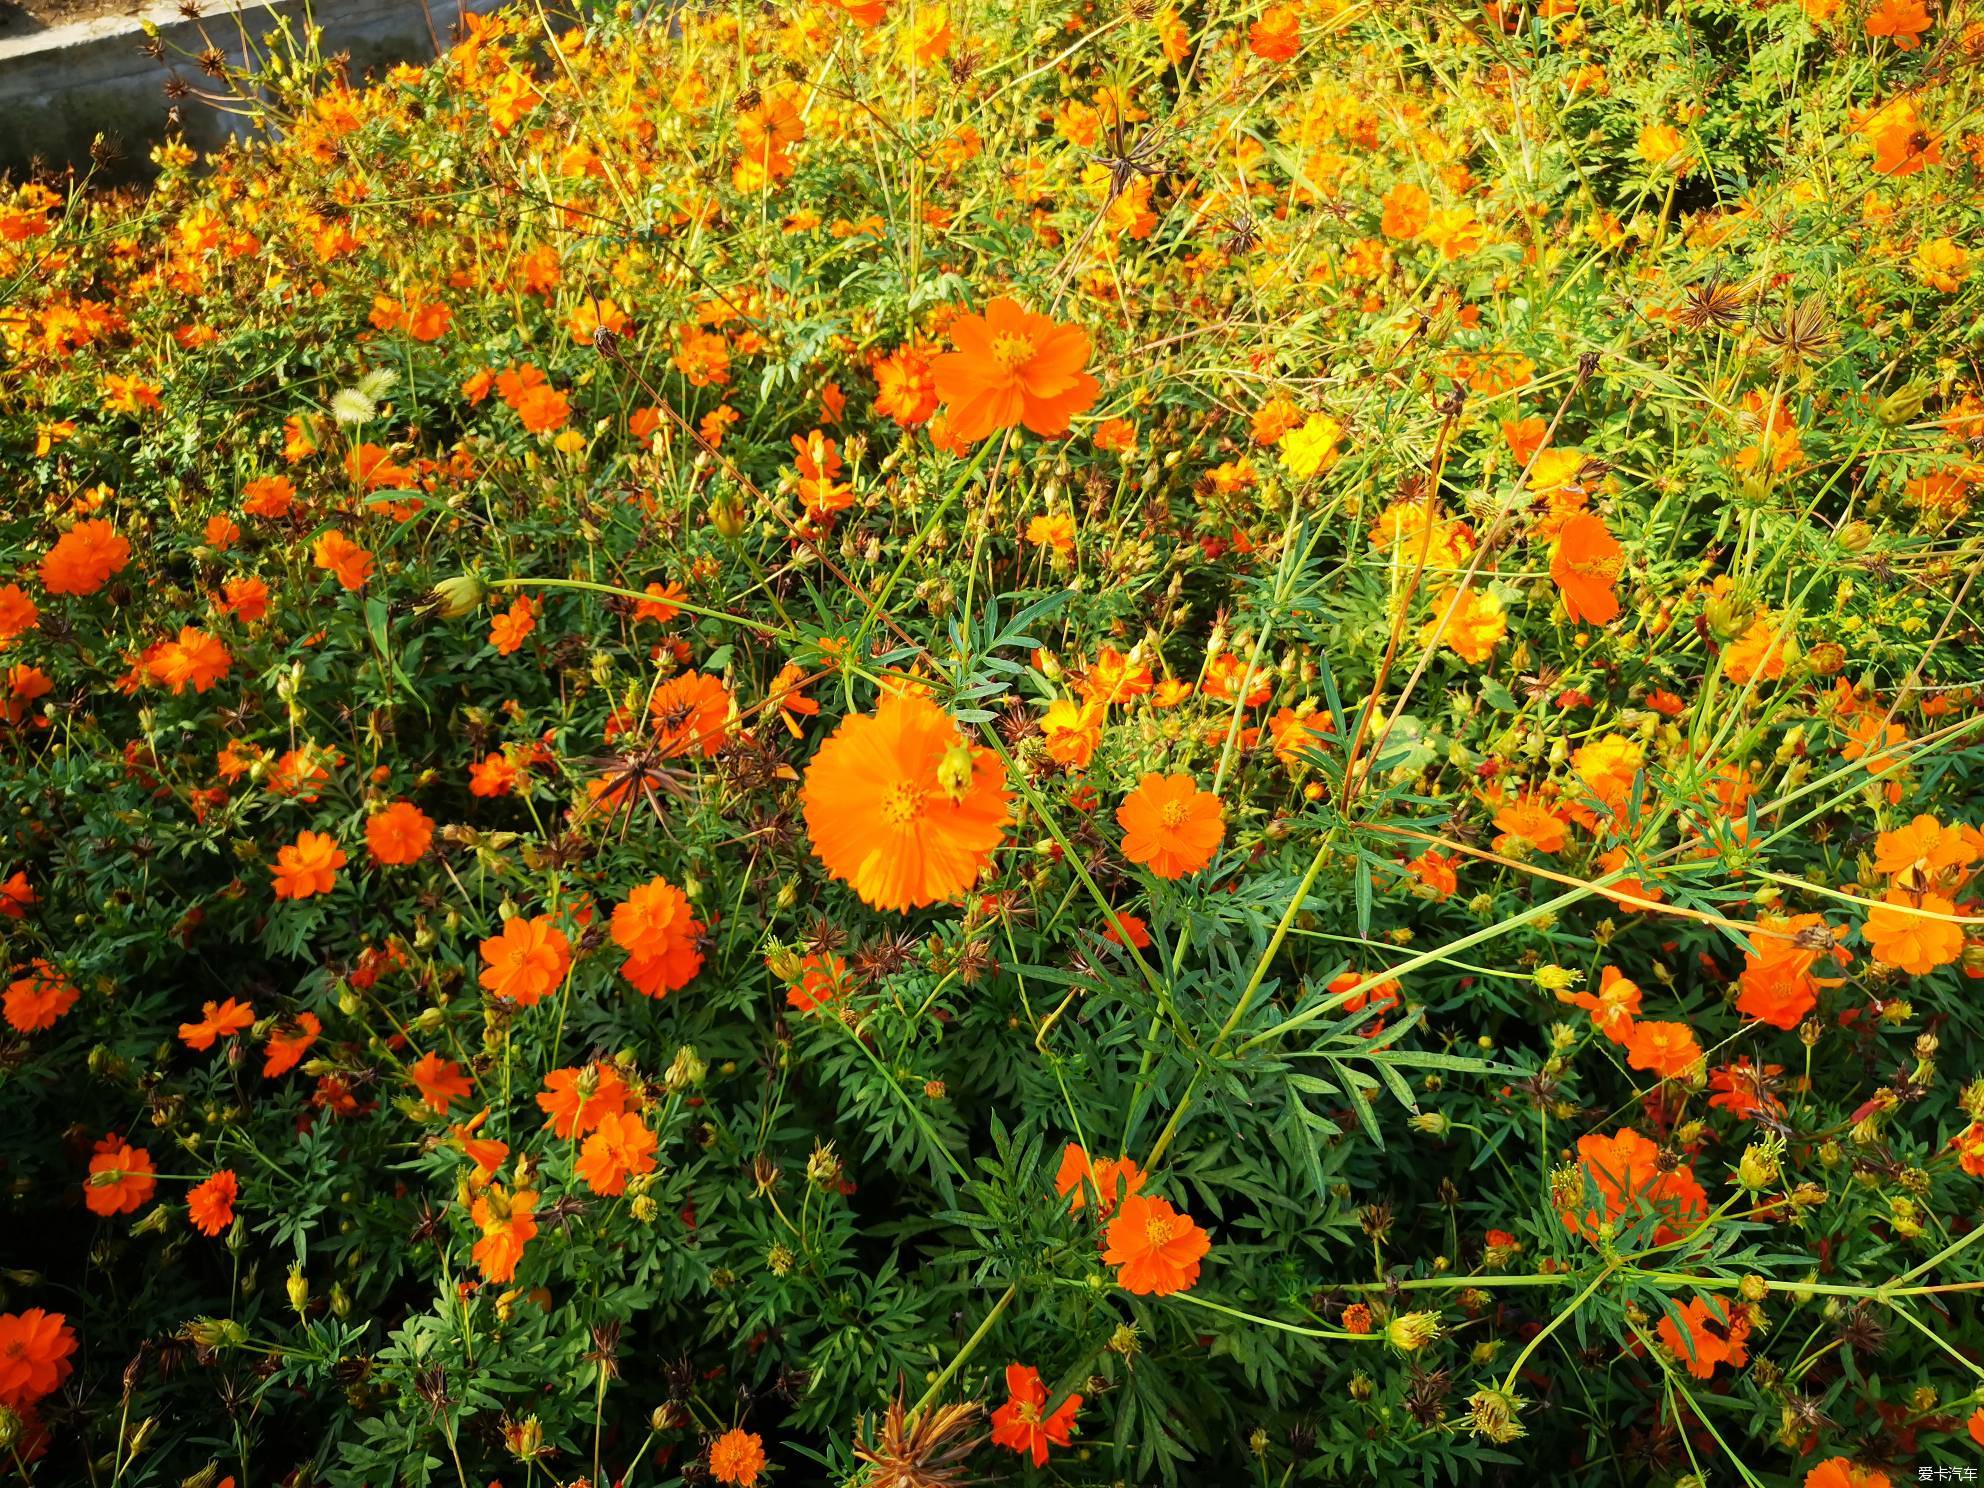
<point>900,807</point>
<point>575,1101</point>
<point>1902,933</point>
<point>507,1224</point>
<point>1013,367</point>
<point>34,1355</point>
<point>84,558</point>
<point>122,1178</point>
<point>659,934</point>
<point>210,1204</point>
<point>1625,1172</point>
<point>1157,1248</point>
<point>621,1147</point>
<point>1586,563</point>
<point>399,835</point>
<point>307,866</point>
<point>1170,825</point>
<point>526,960</point>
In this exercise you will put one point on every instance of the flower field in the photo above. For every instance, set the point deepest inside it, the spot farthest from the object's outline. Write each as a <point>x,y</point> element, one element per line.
<point>902,743</point>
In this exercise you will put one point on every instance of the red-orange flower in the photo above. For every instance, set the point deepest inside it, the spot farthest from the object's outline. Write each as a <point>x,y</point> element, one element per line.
<point>195,658</point>
<point>1625,1172</point>
<point>308,866</point>
<point>121,1178</point>
<point>1170,825</point>
<point>84,558</point>
<point>574,1101</point>
<point>1668,1050</point>
<point>620,1147</point>
<point>691,714</point>
<point>659,934</point>
<point>1024,1423</point>
<point>1902,932</point>
<point>286,1047</point>
<point>218,1020</point>
<point>526,959</point>
<point>901,807</point>
<point>737,1457</point>
<point>1111,1179</point>
<point>1585,563</point>
<point>507,1224</point>
<point>1716,1333</point>
<point>1013,367</point>
<point>1156,1247</point>
<point>34,1355</point>
<point>210,1205</point>
<point>440,1081</point>
<point>344,558</point>
<point>1843,1472</point>
<point>398,835</point>
<point>34,1002</point>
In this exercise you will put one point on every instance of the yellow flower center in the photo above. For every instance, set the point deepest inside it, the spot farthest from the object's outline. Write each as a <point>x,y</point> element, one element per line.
<point>1027,1411</point>
<point>1174,814</point>
<point>903,804</point>
<point>1158,1231</point>
<point>1011,350</point>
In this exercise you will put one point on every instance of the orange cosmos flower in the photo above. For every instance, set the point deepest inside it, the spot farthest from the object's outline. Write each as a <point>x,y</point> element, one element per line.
<point>900,807</point>
<point>574,1101</point>
<point>486,1153</point>
<point>210,1205</point>
<point>659,934</point>
<point>822,979</point>
<point>339,555</point>
<point>218,1020</point>
<point>18,614</point>
<point>905,389</point>
<point>286,1047</point>
<point>268,496</point>
<point>1625,1172</point>
<point>1668,1050</point>
<point>1170,825</point>
<point>34,1356</point>
<point>1842,1472</point>
<point>1922,850</point>
<point>1903,20</point>
<point>1585,564</point>
<point>246,599</point>
<point>1112,1179</point>
<point>1157,1248</point>
<point>621,1147</point>
<point>691,714</point>
<point>1277,35</point>
<point>440,1081</point>
<point>1613,1007</point>
<point>120,1179</point>
<point>398,835</point>
<point>1024,1423</point>
<point>507,1224</point>
<point>1717,1332</point>
<point>84,558</point>
<point>737,1457</point>
<point>526,959</point>
<point>308,866</point>
<point>1527,823</point>
<point>34,1002</point>
<point>195,657</point>
<point>509,630</point>
<point>1013,367</point>
<point>1900,935</point>
<point>1072,731</point>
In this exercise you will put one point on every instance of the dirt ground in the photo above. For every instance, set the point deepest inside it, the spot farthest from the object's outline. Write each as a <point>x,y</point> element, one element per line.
<point>22,17</point>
